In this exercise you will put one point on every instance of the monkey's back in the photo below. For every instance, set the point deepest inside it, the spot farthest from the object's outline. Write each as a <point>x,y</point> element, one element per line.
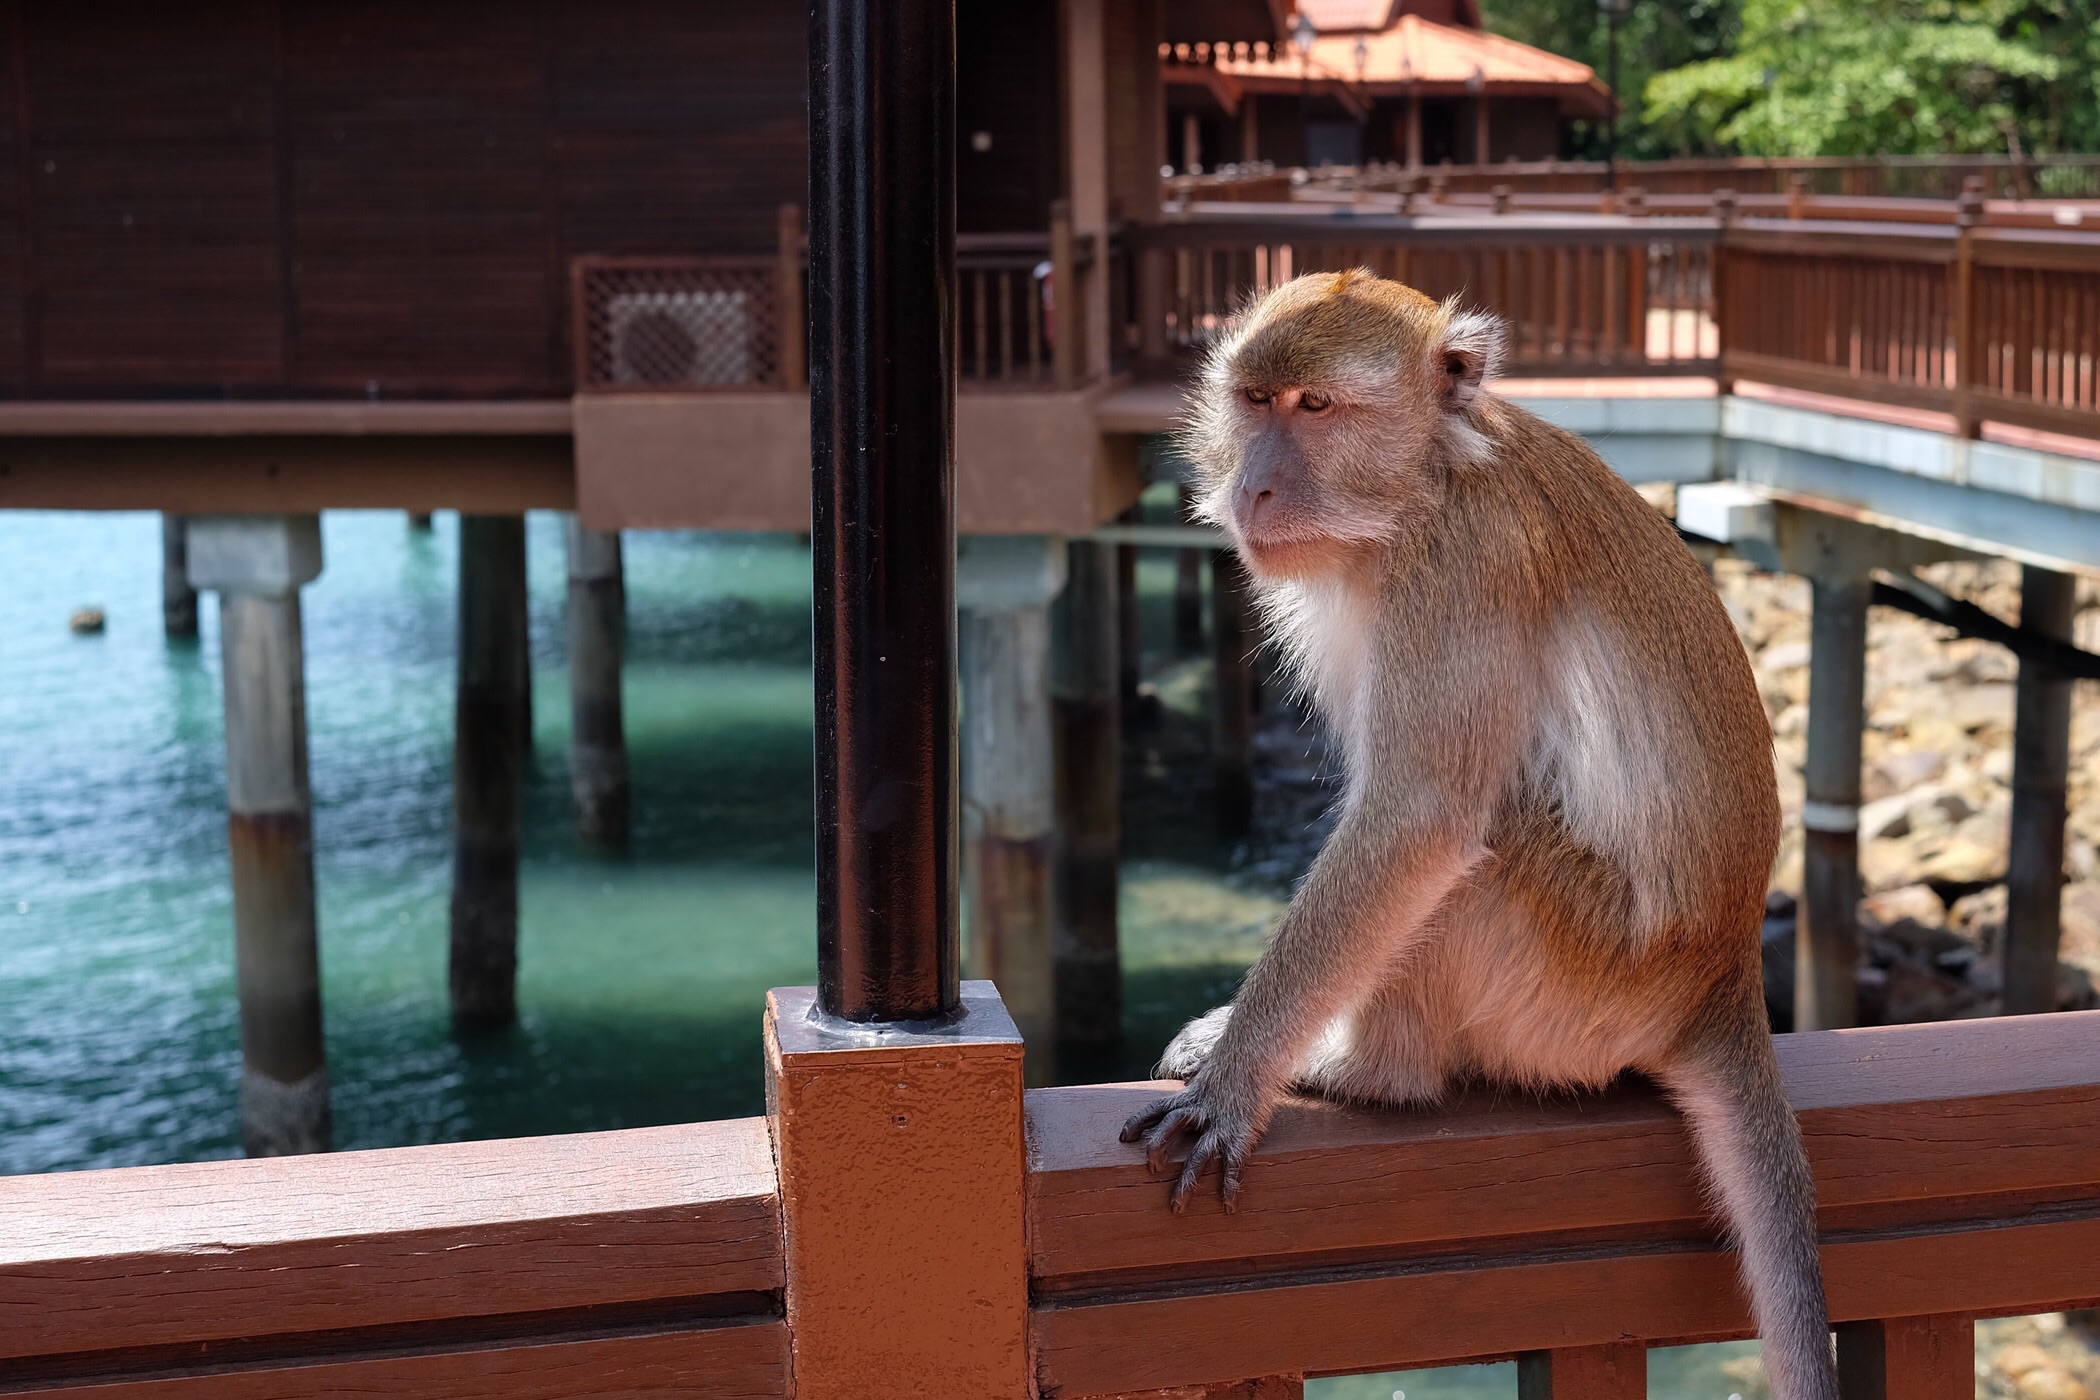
<point>1645,820</point>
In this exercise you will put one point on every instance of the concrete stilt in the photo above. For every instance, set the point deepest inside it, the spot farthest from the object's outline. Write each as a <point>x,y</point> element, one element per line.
<point>256,564</point>
<point>1004,587</point>
<point>487,769</point>
<point>2041,765</point>
<point>598,737</point>
<point>178,597</point>
<point>1087,718</point>
<point>1130,628</point>
<point>1188,591</point>
<point>1232,708</point>
<point>1826,967</point>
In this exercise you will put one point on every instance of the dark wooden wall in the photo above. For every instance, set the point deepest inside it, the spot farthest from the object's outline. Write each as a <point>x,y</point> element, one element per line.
<point>305,198</point>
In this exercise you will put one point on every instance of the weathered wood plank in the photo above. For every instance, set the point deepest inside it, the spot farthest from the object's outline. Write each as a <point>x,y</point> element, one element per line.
<point>154,1256</point>
<point>1908,1358</point>
<point>1897,1114</point>
<point>1421,1312</point>
<point>1584,1373</point>
<point>726,1363</point>
<point>1958,1165</point>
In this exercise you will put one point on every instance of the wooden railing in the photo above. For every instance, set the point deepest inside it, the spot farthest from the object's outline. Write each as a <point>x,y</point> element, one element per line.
<point>695,324</point>
<point>1581,299</point>
<point>1921,177</point>
<point>1958,1171</point>
<point>1982,323</point>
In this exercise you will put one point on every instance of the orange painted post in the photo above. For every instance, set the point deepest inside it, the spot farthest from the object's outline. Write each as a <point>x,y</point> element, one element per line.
<point>1584,1373</point>
<point>902,1178</point>
<point>1907,1358</point>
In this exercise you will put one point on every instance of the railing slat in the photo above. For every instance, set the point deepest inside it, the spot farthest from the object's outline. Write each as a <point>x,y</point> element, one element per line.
<point>1908,1358</point>
<point>1584,1373</point>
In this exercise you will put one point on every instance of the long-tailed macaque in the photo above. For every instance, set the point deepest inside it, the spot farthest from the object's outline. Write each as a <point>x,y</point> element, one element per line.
<point>1559,811</point>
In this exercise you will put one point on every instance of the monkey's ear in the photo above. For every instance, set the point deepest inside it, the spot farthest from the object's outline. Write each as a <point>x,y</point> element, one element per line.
<point>1469,353</point>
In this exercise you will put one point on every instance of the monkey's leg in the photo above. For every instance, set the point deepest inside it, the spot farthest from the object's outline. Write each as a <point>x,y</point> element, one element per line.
<point>1727,1085</point>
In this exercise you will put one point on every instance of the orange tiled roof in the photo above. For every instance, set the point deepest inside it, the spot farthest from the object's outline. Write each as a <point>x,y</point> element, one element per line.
<point>1415,51</point>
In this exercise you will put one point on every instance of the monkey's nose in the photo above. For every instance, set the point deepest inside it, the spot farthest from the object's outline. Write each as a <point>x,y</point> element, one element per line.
<point>1251,502</point>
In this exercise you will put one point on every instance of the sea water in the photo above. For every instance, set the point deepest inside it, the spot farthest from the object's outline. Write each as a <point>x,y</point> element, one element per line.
<point>641,974</point>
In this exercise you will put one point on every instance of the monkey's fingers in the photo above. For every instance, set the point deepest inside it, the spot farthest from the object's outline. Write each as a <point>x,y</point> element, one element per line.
<point>1180,1119</point>
<point>1235,1162</point>
<point>1140,1123</point>
<point>1205,1151</point>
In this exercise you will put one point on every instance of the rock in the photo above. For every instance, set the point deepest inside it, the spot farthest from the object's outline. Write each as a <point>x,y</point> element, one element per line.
<point>1964,861</point>
<point>1978,707</point>
<point>2050,1383</point>
<point>2020,1358</point>
<point>87,621</point>
<point>1917,902</point>
<point>1906,768</point>
<point>1784,656</point>
<point>1886,819</point>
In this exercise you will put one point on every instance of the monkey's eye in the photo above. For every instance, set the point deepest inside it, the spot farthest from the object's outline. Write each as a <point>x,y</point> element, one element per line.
<point>1258,396</point>
<point>1311,402</point>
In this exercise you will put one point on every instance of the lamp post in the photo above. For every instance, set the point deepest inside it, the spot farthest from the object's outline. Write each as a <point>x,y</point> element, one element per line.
<point>1614,11</point>
<point>1302,36</point>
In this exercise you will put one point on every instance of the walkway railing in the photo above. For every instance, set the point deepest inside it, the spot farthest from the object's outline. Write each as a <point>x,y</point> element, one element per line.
<point>1913,177</point>
<point>1958,1170</point>
<point>694,324</point>
<point>1581,298</point>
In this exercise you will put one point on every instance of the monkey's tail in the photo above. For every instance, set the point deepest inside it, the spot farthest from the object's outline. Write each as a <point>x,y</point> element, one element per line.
<point>1750,1148</point>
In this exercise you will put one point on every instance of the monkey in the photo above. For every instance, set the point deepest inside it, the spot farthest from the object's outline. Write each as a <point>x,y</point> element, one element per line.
<point>1558,811</point>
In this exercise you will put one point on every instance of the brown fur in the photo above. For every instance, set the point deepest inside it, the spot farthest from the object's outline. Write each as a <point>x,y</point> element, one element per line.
<point>1560,812</point>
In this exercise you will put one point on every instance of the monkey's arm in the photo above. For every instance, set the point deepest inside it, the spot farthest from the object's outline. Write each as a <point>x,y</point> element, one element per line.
<point>1416,824</point>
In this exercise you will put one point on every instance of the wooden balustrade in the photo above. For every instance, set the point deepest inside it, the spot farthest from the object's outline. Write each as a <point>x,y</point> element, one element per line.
<point>1958,1167</point>
<point>1983,323</point>
<point>1581,299</point>
<point>1915,177</point>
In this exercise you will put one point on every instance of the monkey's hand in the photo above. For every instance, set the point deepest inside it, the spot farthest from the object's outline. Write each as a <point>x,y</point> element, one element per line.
<point>1226,1125</point>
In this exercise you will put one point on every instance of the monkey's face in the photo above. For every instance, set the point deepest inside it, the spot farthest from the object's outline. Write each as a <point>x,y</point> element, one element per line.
<point>1323,424</point>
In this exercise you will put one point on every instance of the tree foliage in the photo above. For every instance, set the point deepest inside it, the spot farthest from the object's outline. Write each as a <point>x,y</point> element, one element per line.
<point>1837,77</point>
<point>1900,77</point>
<point>1654,36</point>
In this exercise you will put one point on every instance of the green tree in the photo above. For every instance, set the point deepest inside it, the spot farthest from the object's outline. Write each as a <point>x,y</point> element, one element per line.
<point>1898,77</point>
<point>1655,35</point>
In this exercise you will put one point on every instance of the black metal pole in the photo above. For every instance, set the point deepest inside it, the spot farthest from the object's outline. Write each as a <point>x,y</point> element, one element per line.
<point>882,505</point>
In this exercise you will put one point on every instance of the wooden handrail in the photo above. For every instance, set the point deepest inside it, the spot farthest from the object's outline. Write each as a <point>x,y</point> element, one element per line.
<point>510,1268</point>
<point>1958,1167</point>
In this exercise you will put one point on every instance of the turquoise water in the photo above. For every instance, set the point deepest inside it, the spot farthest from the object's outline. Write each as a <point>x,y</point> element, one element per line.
<point>641,976</point>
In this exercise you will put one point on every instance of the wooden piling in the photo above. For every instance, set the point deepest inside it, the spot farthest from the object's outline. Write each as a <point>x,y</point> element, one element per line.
<point>2041,766</point>
<point>257,564</point>
<point>1826,973</point>
<point>1130,625</point>
<point>487,769</point>
<point>178,599</point>
<point>1188,588</point>
<point>1233,641</point>
<point>598,739</point>
<point>1086,714</point>
<point>1005,586</point>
